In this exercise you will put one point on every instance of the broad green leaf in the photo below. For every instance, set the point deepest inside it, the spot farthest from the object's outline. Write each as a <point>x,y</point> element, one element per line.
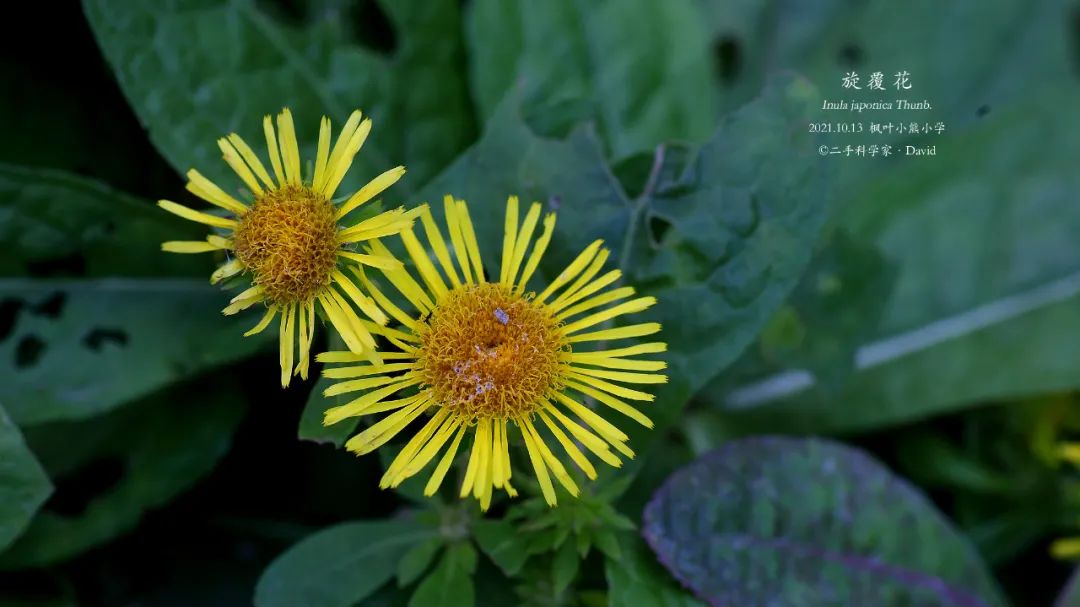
<point>340,565</point>
<point>502,543</point>
<point>158,447</point>
<point>450,584</point>
<point>738,223</point>
<point>808,522</point>
<point>55,223</point>
<point>79,348</point>
<point>416,561</point>
<point>640,68</point>
<point>564,567</point>
<point>23,484</point>
<point>982,239</point>
<point>197,70</point>
<point>125,320</point>
<point>637,580</point>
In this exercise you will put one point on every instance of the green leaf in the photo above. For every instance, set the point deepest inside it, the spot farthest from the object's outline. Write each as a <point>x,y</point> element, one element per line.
<point>23,484</point>
<point>564,567</point>
<point>638,67</point>
<point>637,580</point>
<point>194,71</point>
<point>340,565</point>
<point>159,447</point>
<point>982,238</point>
<point>502,543</point>
<point>82,347</point>
<point>53,222</point>
<point>416,561</point>
<point>451,583</point>
<point>128,321</point>
<point>835,526</point>
<point>738,224</point>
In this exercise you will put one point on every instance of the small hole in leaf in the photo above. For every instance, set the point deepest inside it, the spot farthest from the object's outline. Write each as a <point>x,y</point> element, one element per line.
<point>98,337</point>
<point>9,313</point>
<point>28,351</point>
<point>983,110</point>
<point>658,228</point>
<point>66,265</point>
<point>373,27</point>
<point>52,306</point>
<point>728,56</point>
<point>850,55</point>
<point>76,490</point>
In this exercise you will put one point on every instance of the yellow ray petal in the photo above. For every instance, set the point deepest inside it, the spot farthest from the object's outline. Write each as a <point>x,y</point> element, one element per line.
<point>365,370</point>
<point>210,192</point>
<point>444,464</point>
<point>580,262</point>
<point>427,270</point>
<point>335,172</point>
<point>453,225</point>
<point>188,246</point>
<point>627,307</point>
<point>383,302</point>
<point>285,343</point>
<point>639,330</point>
<point>603,427</point>
<point>272,149</point>
<point>290,151</point>
<point>198,216</point>
<point>469,235</point>
<point>321,155</point>
<point>630,378</point>
<point>553,462</point>
<point>571,449</point>
<point>483,466</point>
<point>537,461</point>
<point>537,252</point>
<point>611,388</point>
<point>385,429</point>
<point>471,468</point>
<point>616,363</point>
<point>595,302</point>
<point>438,245</point>
<point>654,347</point>
<point>614,403</point>
<point>229,269</point>
<point>366,305</point>
<point>363,404</point>
<point>592,442</point>
<point>265,322</point>
<point>342,142</point>
<point>375,261</point>
<point>510,230</point>
<point>372,189</point>
<point>521,244</point>
<point>394,473</point>
<point>251,159</point>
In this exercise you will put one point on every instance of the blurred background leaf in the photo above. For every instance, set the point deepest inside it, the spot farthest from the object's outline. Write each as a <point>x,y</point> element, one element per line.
<point>802,521</point>
<point>195,71</point>
<point>24,486</point>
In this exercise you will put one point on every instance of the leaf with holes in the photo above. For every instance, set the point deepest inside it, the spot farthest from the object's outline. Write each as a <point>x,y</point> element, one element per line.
<point>638,67</point>
<point>139,458</point>
<point>129,321</point>
<point>341,565</point>
<point>739,220</point>
<point>840,527</point>
<point>79,348</point>
<point>23,484</point>
<point>983,242</point>
<point>195,71</point>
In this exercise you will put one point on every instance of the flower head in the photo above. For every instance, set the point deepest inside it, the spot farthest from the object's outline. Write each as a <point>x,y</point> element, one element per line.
<point>487,357</point>
<point>289,241</point>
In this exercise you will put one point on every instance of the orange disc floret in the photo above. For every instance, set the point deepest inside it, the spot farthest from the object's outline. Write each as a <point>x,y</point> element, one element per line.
<point>488,352</point>
<point>289,241</point>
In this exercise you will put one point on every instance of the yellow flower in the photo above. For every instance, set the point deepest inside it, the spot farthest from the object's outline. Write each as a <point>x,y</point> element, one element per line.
<point>290,240</point>
<point>483,356</point>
